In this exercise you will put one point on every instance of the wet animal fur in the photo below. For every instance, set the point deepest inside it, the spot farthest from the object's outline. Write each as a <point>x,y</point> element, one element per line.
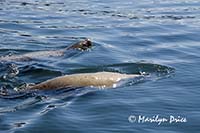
<point>99,79</point>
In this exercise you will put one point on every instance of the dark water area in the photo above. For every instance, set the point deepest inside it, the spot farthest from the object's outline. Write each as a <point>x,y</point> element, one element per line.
<point>158,38</point>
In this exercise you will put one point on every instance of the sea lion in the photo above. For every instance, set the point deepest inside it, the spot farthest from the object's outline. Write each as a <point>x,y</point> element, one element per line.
<point>98,79</point>
<point>82,45</point>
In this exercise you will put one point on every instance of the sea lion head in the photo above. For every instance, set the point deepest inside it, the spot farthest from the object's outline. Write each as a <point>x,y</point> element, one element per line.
<point>82,45</point>
<point>85,44</point>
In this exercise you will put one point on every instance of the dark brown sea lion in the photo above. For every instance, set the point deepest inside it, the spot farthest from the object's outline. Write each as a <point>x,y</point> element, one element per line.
<point>82,45</point>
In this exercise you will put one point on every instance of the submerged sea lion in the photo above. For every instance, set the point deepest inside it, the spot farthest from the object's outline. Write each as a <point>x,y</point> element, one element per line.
<point>99,79</point>
<point>82,45</point>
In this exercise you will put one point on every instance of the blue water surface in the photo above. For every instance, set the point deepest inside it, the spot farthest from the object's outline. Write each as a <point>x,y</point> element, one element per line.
<point>157,37</point>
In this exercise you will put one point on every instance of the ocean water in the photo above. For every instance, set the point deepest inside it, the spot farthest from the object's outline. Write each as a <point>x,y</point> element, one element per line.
<point>157,38</point>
